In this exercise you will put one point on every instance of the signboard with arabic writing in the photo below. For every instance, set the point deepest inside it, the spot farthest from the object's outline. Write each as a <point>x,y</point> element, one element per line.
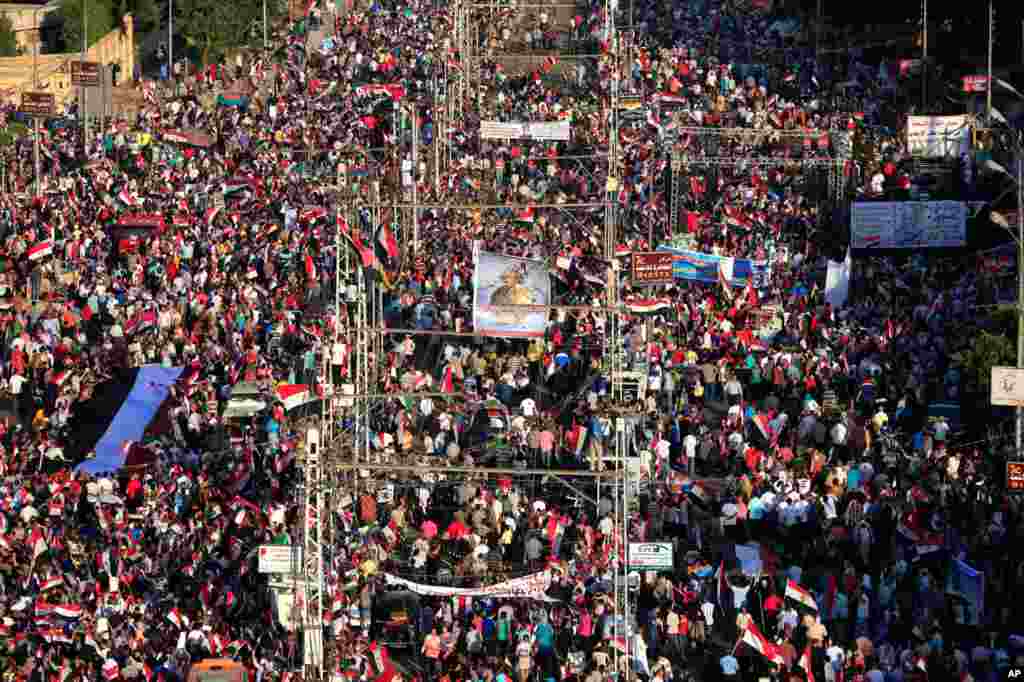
<point>652,268</point>
<point>908,224</point>
<point>1015,477</point>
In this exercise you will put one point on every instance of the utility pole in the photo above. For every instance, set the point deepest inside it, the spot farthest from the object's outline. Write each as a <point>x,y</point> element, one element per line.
<point>415,179</point>
<point>81,66</point>
<point>988,85</point>
<point>924,56</point>
<point>35,120</point>
<point>170,42</point>
<point>1020,282</point>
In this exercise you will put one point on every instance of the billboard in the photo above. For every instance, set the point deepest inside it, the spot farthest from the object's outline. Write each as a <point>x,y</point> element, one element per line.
<point>1015,477</point>
<point>510,296</point>
<point>703,267</point>
<point>935,136</point>
<point>652,268</point>
<point>554,130</point>
<point>650,556</point>
<point>908,224</point>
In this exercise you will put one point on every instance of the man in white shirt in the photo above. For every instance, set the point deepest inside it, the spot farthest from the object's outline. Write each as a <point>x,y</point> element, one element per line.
<point>690,447</point>
<point>528,407</point>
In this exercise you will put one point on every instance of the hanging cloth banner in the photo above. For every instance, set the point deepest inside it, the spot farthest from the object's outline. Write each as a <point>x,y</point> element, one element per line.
<point>533,586</point>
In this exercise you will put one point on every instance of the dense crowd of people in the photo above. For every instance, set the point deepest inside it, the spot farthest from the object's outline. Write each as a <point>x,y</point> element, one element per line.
<point>799,452</point>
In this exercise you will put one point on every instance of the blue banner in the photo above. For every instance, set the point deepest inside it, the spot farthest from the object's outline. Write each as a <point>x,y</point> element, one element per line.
<point>703,267</point>
<point>967,586</point>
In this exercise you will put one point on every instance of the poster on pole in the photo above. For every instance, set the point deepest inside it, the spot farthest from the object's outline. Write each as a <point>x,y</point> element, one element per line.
<point>938,136</point>
<point>510,296</point>
<point>279,558</point>
<point>908,224</point>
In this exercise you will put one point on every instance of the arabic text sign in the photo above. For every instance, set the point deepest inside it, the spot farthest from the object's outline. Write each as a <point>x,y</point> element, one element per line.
<point>85,74</point>
<point>38,104</point>
<point>650,556</point>
<point>279,558</point>
<point>514,130</point>
<point>931,136</point>
<point>703,267</point>
<point>908,224</point>
<point>1015,477</point>
<point>652,268</point>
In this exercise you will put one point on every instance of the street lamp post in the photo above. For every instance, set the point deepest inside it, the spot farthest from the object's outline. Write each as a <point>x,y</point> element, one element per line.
<point>1018,180</point>
<point>170,39</point>
<point>81,66</point>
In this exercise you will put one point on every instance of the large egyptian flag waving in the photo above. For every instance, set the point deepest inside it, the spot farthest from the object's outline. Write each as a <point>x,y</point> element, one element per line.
<point>117,414</point>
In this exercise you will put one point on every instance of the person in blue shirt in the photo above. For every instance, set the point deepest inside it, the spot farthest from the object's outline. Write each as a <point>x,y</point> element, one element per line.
<point>730,667</point>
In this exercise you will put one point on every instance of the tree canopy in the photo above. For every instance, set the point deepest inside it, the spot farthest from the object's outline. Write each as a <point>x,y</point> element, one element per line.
<point>102,17</point>
<point>8,39</point>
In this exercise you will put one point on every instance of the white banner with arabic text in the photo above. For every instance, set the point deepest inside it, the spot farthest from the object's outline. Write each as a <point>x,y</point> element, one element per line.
<point>533,586</point>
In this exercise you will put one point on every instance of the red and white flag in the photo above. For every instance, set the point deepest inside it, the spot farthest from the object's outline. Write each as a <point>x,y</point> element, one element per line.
<point>801,596</point>
<point>292,395</point>
<point>805,663</point>
<point>759,643</point>
<point>725,270</point>
<point>177,618</point>
<point>69,611</point>
<point>40,250</point>
<point>38,543</point>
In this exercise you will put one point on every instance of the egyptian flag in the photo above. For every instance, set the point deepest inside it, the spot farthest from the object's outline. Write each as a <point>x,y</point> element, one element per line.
<point>68,611</point>
<point>725,270</point>
<point>292,395</point>
<point>142,322</point>
<point>37,541</point>
<point>648,306</point>
<point>51,584</point>
<point>758,642</point>
<point>119,411</point>
<point>40,251</point>
<point>386,240</point>
<point>805,663</point>
<point>527,216</point>
<point>366,254</point>
<point>177,619</point>
<point>310,268</point>
<point>800,595</point>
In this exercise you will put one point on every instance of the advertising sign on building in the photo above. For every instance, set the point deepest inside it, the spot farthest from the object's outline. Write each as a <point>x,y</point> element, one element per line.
<point>650,556</point>
<point>938,136</point>
<point>652,268</point>
<point>908,224</point>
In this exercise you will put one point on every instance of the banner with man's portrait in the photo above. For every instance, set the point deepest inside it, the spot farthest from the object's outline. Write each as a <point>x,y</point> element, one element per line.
<point>510,296</point>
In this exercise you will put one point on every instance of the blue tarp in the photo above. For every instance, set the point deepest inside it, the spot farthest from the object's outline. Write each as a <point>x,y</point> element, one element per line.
<point>152,385</point>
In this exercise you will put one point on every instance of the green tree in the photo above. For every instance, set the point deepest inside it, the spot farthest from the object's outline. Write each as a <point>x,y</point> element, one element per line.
<point>8,39</point>
<point>99,20</point>
<point>987,351</point>
<point>213,26</point>
<point>145,13</point>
